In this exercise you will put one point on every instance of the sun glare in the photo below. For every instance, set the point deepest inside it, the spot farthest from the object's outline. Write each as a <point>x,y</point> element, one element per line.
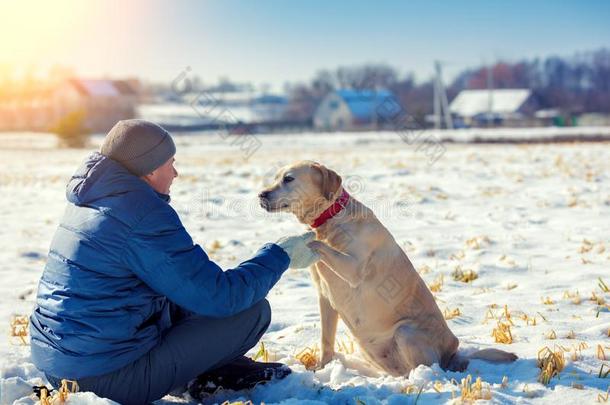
<point>35,32</point>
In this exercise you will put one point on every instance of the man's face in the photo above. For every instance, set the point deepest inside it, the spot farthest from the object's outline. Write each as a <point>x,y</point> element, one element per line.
<point>161,179</point>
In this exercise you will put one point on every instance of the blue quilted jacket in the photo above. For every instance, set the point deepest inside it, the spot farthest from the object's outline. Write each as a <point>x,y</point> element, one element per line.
<point>119,254</point>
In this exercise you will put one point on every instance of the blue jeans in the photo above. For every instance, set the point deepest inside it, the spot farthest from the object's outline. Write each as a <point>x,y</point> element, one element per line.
<point>193,345</point>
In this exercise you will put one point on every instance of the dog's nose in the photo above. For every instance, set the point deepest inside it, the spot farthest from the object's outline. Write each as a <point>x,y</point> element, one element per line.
<point>263,195</point>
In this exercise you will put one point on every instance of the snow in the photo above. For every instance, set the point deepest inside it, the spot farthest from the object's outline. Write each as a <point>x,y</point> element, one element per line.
<point>532,221</point>
<point>526,135</point>
<point>472,102</point>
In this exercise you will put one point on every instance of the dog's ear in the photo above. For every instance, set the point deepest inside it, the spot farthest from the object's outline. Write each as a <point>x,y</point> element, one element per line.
<point>331,181</point>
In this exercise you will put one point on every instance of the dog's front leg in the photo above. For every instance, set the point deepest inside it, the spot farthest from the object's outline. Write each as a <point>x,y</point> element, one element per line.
<point>348,267</point>
<point>328,320</point>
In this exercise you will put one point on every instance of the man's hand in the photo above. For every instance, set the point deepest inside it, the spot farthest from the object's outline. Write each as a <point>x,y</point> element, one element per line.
<point>300,254</point>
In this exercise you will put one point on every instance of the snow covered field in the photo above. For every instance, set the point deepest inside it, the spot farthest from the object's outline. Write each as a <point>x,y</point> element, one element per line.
<point>532,221</point>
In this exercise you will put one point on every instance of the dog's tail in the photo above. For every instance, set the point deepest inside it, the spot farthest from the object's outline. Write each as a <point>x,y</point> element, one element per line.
<point>459,361</point>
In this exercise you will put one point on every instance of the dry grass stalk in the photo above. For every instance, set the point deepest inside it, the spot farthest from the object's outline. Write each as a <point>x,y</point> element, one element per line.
<point>438,386</point>
<point>571,335</point>
<point>603,285</point>
<point>586,246</point>
<point>345,345</point>
<point>457,256</point>
<point>67,387</point>
<point>551,335</point>
<point>411,389</point>
<point>506,315</point>
<point>602,308</point>
<point>45,398</point>
<point>601,354</point>
<point>604,397</point>
<point>61,397</point>
<point>309,357</point>
<point>581,346</point>
<point>481,290</point>
<point>602,373</point>
<point>598,300</point>
<point>262,353</point>
<point>508,260</point>
<point>502,333</point>
<point>465,276</point>
<point>473,243</point>
<point>574,297</point>
<point>437,284</point>
<point>551,363</point>
<point>425,269</point>
<point>529,321</point>
<point>451,314</point>
<point>548,301</point>
<point>476,242</point>
<point>489,315</point>
<point>19,329</point>
<point>474,391</point>
<point>575,350</point>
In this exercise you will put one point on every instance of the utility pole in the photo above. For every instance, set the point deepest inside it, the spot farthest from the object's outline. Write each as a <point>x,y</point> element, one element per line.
<point>437,103</point>
<point>490,96</point>
<point>441,104</point>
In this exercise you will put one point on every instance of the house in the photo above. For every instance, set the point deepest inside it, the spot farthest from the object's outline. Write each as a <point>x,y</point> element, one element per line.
<point>355,109</point>
<point>104,102</point>
<point>248,108</point>
<point>270,107</point>
<point>204,110</point>
<point>593,120</point>
<point>506,107</point>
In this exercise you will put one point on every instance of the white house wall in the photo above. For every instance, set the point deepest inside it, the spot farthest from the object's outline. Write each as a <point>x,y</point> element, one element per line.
<point>333,114</point>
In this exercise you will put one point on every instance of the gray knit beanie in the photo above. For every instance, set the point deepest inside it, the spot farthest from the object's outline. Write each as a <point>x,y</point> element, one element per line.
<point>141,146</point>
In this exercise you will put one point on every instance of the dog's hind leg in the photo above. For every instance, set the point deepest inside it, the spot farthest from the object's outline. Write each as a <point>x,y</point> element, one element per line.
<point>413,348</point>
<point>456,362</point>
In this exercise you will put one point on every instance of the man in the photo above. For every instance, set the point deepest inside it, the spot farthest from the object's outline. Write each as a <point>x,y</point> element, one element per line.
<point>128,306</point>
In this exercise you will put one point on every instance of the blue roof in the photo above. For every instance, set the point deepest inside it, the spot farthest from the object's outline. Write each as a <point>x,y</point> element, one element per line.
<point>364,103</point>
<point>271,99</point>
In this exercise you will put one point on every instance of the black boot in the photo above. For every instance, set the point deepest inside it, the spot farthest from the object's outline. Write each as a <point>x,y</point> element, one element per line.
<point>241,373</point>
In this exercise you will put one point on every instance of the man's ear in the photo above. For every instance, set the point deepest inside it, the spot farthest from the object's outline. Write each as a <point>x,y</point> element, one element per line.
<point>147,177</point>
<point>331,181</point>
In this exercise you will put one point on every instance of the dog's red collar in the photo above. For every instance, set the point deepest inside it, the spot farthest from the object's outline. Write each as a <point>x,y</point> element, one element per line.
<point>333,210</point>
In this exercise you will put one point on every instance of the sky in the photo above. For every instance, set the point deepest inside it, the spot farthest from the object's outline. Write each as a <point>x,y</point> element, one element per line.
<point>273,41</point>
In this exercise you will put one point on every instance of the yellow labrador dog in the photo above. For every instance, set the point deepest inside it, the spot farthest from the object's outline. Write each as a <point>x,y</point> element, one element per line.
<point>364,277</point>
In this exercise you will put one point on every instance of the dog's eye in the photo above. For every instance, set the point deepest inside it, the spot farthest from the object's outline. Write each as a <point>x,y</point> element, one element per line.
<point>287,179</point>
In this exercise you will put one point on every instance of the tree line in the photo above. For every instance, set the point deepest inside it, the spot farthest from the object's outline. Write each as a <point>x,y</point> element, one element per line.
<point>575,84</point>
